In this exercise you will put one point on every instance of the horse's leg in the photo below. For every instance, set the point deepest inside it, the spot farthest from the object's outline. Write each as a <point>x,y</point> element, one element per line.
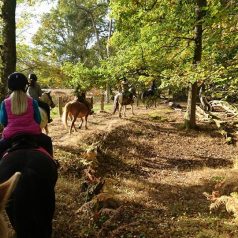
<point>86,122</point>
<point>125,111</point>
<point>132,110</point>
<point>146,103</point>
<point>75,127</point>
<point>80,126</point>
<point>120,108</point>
<point>75,118</point>
<point>72,125</point>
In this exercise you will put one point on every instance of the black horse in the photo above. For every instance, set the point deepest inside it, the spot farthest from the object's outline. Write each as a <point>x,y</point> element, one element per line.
<point>31,206</point>
<point>150,96</point>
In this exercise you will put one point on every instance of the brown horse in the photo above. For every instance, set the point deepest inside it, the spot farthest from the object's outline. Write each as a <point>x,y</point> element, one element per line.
<point>76,109</point>
<point>6,189</point>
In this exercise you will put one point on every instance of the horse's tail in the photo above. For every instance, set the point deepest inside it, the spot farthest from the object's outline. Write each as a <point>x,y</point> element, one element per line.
<point>65,114</point>
<point>143,96</point>
<point>116,104</point>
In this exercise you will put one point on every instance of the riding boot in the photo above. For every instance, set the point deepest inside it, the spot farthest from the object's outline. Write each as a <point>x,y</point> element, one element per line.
<point>48,115</point>
<point>49,118</point>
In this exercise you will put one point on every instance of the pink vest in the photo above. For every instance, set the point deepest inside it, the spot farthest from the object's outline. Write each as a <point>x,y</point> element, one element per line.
<point>20,124</point>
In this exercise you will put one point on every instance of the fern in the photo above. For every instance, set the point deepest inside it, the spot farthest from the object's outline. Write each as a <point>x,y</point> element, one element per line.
<point>230,202</point>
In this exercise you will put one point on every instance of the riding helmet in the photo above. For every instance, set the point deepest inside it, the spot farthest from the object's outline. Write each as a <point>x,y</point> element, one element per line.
<point>32,77</point>
<point>17,81</point>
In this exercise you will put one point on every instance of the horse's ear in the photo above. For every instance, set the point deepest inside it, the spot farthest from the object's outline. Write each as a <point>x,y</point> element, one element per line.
<point>7,188</point>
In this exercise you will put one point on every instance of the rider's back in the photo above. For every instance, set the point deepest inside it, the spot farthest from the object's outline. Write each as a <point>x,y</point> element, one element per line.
<point>34,91</point>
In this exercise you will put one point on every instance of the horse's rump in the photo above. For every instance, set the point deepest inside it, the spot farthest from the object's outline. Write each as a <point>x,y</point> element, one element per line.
<point>44,102</point>
<point>76,109</point>
<point>116,102</point>
<point>32,204</point>
<point>123,99</point>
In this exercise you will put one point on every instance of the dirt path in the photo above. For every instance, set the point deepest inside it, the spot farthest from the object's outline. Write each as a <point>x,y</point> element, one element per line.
<point>155,174</point>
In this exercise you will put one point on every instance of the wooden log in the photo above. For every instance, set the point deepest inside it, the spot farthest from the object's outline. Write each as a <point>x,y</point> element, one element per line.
<point>60,105</point>
<point>226,106</point>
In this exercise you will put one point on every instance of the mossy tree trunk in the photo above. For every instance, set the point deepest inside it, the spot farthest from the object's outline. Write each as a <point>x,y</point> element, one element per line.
<point>8,49</point>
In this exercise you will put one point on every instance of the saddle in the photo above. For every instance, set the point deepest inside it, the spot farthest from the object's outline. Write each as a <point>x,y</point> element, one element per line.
<point>127,94</point>
<point>22,141</point>
<point>27,141</point>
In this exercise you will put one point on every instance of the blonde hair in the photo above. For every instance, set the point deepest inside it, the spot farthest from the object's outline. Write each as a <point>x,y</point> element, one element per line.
<point>18,102</point>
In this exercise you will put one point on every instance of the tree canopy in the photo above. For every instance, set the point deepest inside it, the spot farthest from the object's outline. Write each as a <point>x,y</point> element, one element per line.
<point>95,43</point>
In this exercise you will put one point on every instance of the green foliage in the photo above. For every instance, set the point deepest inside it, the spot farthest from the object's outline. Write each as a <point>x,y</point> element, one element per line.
<point>150,40</point>
<point>68,32</point>
<point>30,60</point>
<point>83,76</point>
<point>155,39</point>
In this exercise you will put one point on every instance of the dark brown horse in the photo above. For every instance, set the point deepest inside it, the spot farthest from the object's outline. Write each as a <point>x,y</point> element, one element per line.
<point>149,97</point>
<point>31,205</point>
<point>75,109</point>
<point>124,99</point>
<point>6,190</point>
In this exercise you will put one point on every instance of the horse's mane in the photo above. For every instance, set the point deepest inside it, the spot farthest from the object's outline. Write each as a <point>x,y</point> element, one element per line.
<point>6,189</point>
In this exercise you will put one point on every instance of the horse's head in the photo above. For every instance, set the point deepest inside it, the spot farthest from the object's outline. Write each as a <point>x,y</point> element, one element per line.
<point>90,102</point>
<point>46,97</point>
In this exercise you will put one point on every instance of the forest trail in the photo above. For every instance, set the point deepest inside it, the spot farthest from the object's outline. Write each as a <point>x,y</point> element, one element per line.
<point>155,171</point>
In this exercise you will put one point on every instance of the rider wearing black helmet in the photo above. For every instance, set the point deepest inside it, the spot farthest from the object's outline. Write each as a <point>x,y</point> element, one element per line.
<point>81,97</point>
<point>19,114</point>
<point>34,90</point>
<point>17,81</point>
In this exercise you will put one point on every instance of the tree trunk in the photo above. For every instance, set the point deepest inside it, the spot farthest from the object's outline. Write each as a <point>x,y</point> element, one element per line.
<point>190,118</point>
<point>108,89</point>
<point>108,93</point>
<point>8,52</point>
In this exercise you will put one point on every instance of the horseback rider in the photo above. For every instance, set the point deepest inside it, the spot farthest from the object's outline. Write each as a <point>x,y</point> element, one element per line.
<point>34,90</point>
<point>153,87</point>
<point>124,86</point>
<point>81,97</point>
<point>20,116</point>
<point>128,91</point>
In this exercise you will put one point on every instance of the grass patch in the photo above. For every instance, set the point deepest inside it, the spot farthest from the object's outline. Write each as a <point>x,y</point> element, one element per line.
<point>54,112</point>
<point>157,117</point>
<point>204,227</point>
<point>107,107</point>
